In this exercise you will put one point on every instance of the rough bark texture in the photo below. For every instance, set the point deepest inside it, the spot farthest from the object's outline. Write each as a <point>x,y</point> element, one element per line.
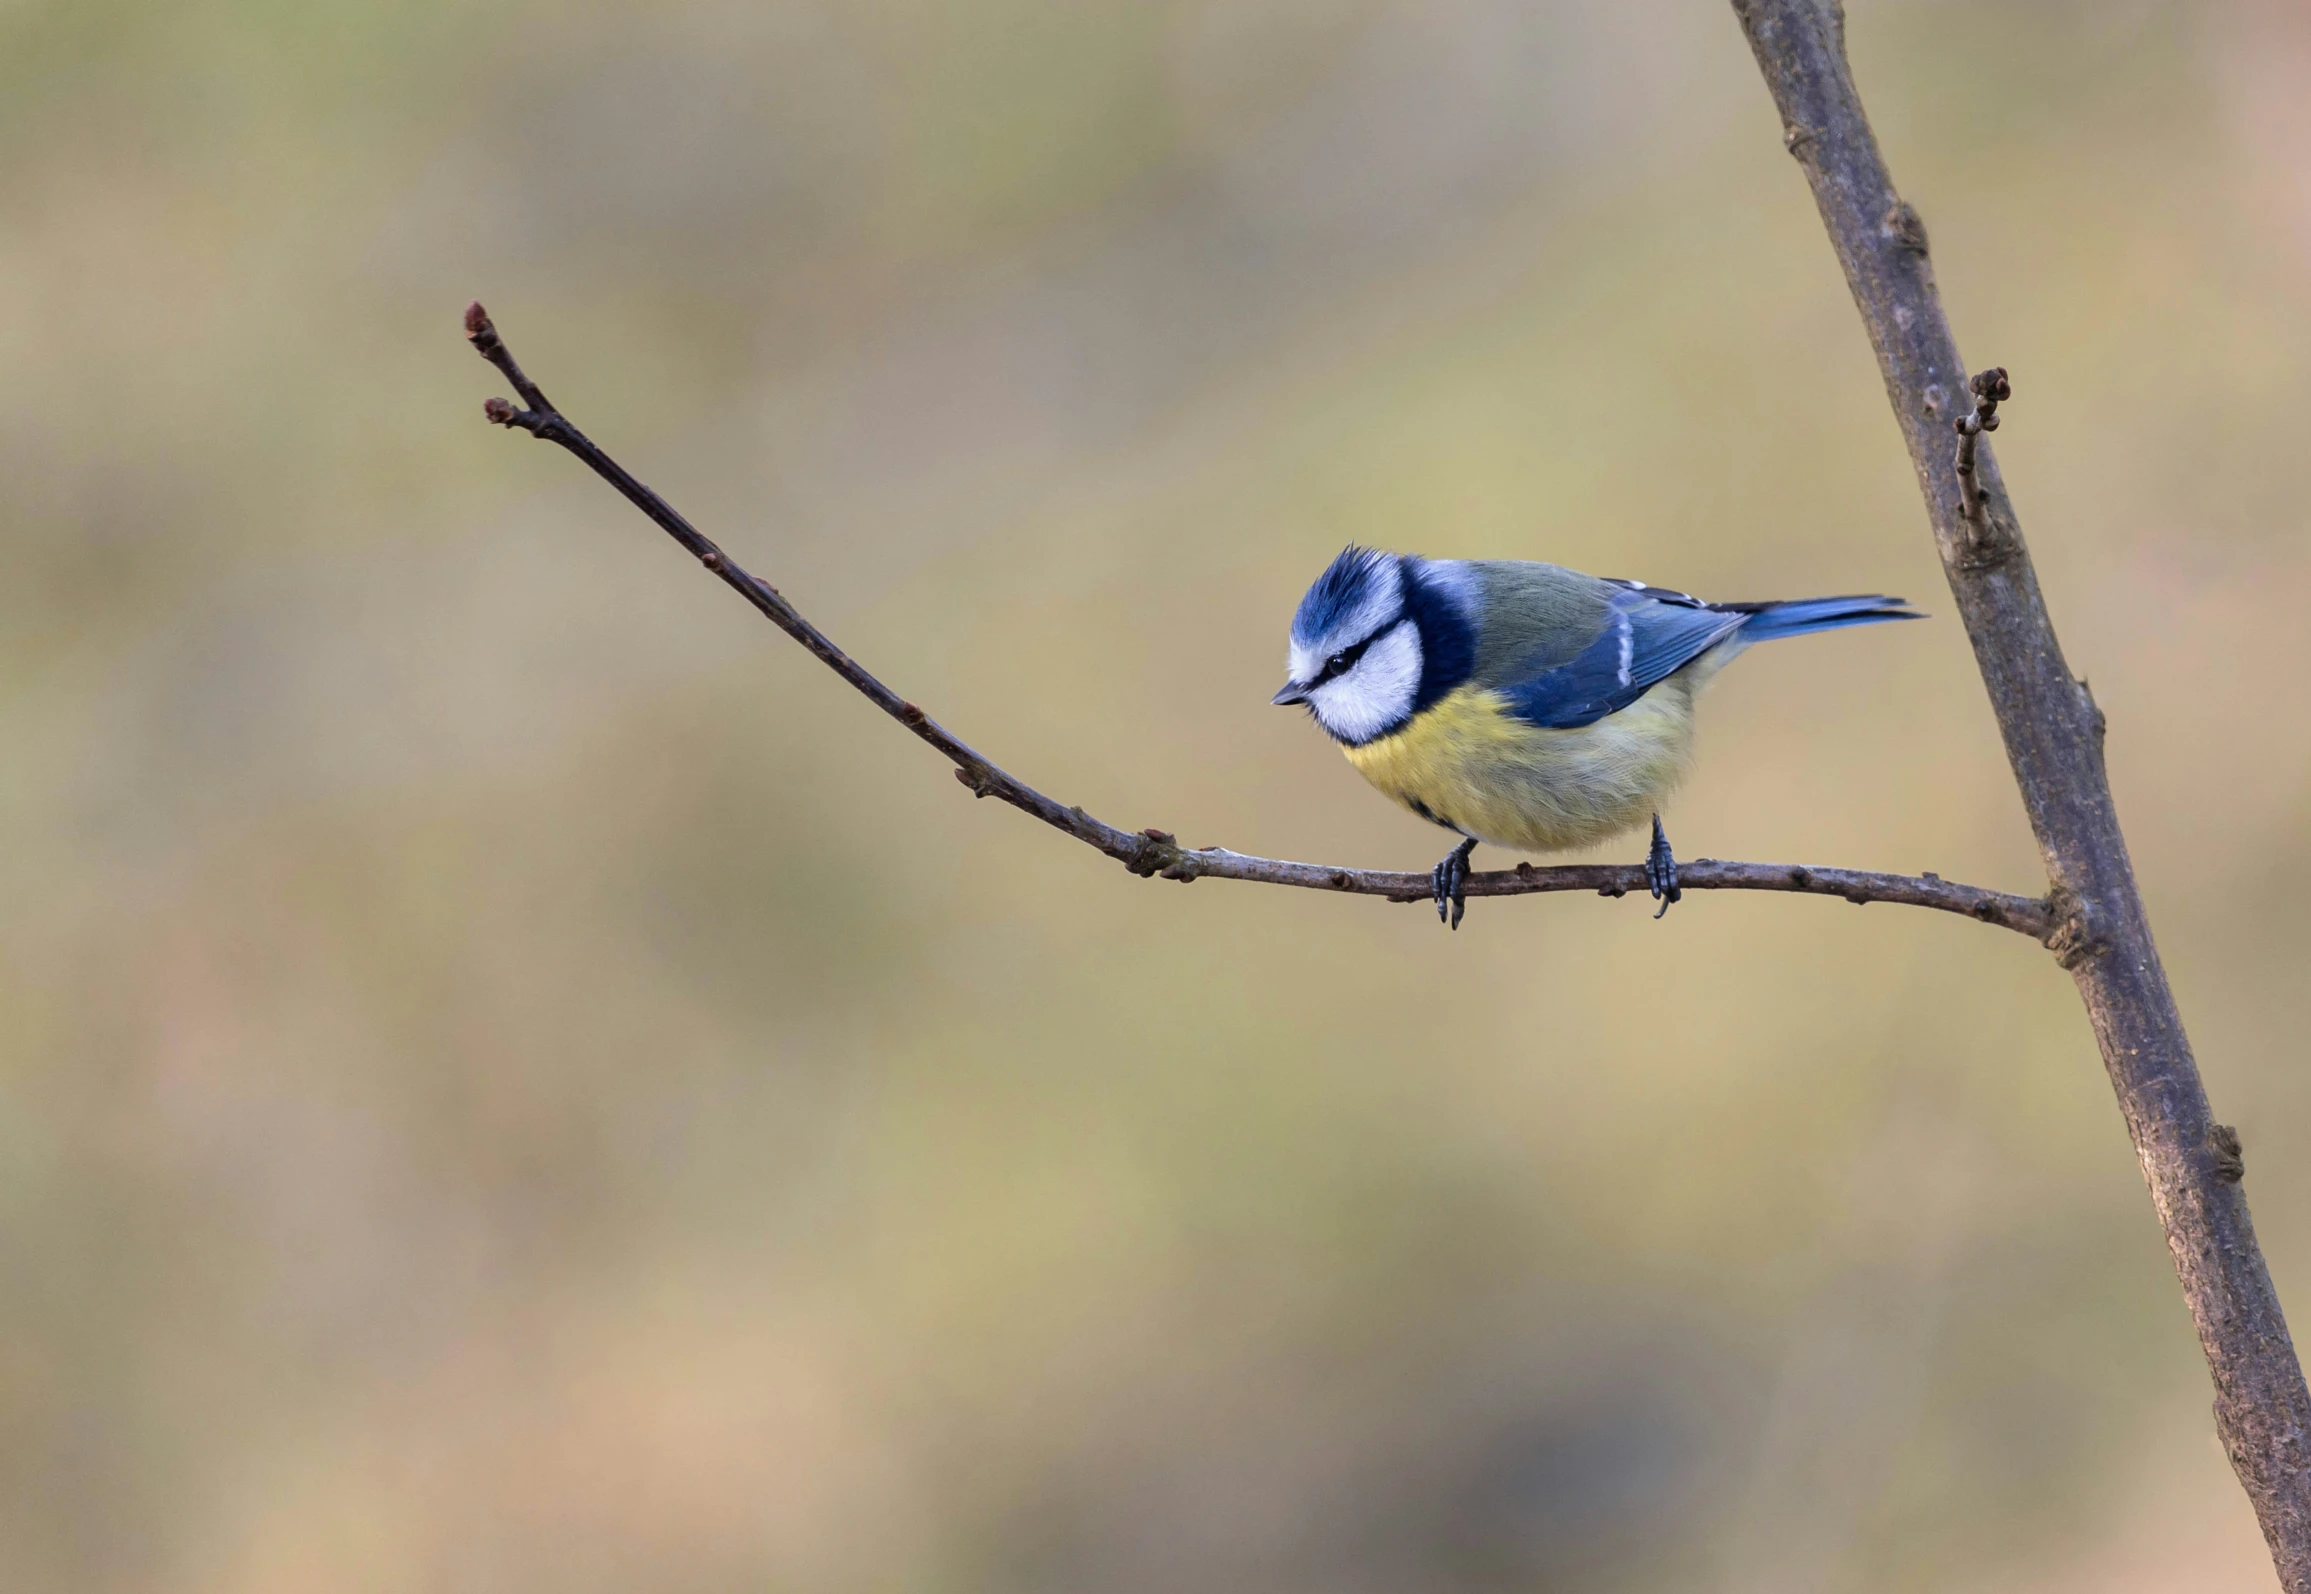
<point>2053,735</point>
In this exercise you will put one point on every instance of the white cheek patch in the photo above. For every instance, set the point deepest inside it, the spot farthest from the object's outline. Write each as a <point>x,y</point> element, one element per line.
<point>1376,696</point>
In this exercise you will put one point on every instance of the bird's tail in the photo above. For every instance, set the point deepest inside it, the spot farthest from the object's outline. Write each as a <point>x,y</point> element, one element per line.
<point>1769,621</point>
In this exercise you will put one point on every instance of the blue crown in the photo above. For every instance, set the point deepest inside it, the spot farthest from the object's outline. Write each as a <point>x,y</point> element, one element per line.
<point>1345,584</point>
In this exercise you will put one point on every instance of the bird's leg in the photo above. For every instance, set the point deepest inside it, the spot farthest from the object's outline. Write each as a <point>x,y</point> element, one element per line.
<point>1451,881</point>
<point>1661,868</point>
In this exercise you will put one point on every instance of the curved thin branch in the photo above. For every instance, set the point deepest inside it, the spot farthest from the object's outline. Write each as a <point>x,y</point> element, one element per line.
<point>1156,853</point>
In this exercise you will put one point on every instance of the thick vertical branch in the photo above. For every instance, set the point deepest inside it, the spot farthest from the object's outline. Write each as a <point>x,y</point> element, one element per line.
<point>2053,734</point>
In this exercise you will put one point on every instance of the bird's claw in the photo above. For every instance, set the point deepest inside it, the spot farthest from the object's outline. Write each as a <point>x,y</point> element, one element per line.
<point>1661,869</point>
<point>1450,880</point>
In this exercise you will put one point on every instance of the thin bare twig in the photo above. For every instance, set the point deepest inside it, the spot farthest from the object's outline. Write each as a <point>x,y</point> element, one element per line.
<point>1989,388</point>
<point>2054,735</point>
<point>1156,853</point>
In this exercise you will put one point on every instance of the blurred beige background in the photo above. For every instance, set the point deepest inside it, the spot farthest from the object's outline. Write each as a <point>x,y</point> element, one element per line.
<point>513,1079</point>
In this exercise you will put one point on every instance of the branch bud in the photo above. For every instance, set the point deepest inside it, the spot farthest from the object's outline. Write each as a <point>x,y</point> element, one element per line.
<point>478,327</point>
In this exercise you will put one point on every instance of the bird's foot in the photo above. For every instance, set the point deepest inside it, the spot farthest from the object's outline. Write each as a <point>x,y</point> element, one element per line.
<point>1660,869</point>
<point>1450,879</point>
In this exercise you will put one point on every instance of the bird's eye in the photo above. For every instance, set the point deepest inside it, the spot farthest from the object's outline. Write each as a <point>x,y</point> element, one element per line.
<point>1341,662</point>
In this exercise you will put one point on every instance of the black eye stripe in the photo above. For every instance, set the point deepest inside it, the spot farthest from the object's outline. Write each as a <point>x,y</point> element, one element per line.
<point>1343,661</point>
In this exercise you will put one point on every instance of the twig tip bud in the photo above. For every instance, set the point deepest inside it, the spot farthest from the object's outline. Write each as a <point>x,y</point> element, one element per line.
<point>498,411</point>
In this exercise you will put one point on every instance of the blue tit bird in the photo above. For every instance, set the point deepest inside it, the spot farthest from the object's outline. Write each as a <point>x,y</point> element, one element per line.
<point>1524,704</point>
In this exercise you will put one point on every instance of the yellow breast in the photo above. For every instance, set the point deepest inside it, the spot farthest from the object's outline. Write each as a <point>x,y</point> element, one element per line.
<point>1467,763</point>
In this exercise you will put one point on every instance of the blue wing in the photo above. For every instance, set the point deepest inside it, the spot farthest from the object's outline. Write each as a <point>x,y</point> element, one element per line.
<point>1649,635</point>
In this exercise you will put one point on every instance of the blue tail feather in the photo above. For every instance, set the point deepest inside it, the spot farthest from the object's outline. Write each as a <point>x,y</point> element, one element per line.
<point>1769,621</point>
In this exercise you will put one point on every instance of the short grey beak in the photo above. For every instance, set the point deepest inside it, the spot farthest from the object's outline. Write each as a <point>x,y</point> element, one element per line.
<point>1290,693</point>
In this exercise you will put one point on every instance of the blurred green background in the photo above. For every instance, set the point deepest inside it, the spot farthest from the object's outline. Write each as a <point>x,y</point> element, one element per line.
<point>513,1079</point>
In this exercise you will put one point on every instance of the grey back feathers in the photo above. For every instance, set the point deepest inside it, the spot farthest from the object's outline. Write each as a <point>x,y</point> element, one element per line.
<point>1532,617</point>
<point>1380,637</point>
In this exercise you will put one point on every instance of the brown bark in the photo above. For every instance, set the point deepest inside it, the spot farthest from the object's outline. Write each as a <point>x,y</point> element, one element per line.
<point>2053,734</point>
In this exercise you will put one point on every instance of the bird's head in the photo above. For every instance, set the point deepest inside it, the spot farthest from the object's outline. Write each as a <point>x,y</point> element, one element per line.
<point>1355,656</point>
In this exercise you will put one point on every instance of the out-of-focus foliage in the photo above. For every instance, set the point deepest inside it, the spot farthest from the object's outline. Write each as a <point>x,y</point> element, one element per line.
<point>512,1079</point>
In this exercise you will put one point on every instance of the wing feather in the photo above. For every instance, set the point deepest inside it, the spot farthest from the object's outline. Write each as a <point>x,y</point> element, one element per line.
<point>1649,634</point>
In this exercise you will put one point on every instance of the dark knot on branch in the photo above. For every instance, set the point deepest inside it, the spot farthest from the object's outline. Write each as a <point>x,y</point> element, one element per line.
<point>1905,227</point>
<point>2230,1156</point>
<point>2081,930</point>
<point>1159,853</point>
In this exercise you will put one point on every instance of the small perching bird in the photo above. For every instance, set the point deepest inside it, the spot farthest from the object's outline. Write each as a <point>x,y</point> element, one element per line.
<point>1524,704</point>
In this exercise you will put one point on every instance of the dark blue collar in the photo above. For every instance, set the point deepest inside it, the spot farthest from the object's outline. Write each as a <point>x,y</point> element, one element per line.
<point>1447,640</point>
